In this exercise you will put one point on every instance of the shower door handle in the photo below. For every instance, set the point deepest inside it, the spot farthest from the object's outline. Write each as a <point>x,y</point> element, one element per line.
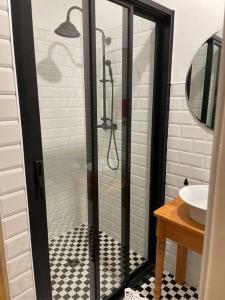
<point>39,178</point>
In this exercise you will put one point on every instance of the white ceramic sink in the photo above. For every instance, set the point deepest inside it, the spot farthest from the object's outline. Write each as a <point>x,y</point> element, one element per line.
<point>197,198</point>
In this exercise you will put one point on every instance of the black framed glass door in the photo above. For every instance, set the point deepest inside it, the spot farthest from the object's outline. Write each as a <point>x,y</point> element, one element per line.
<point>113,103</point>
<point>94,100</point>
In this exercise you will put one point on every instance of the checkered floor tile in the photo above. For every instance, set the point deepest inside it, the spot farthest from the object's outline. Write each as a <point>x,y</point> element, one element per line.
<point>69,261</point>
<point>170,289</point>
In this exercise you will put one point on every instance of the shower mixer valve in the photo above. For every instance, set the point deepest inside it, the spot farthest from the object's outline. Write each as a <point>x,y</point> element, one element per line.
<point>105,125</point>
<point>105,80</point>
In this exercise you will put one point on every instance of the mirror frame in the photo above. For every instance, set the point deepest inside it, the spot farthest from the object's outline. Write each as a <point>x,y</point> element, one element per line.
<point>214,40</point>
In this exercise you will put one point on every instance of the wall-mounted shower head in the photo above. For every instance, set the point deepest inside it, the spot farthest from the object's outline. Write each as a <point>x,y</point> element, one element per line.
<point>68,29</point>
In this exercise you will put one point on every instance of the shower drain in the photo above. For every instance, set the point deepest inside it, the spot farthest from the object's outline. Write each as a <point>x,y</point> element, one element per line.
<point>73,262</point>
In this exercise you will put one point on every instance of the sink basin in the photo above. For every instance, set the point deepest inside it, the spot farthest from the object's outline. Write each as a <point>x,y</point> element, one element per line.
<point>197,198</point>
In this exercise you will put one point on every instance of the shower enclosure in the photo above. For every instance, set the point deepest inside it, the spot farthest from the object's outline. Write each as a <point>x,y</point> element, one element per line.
<point>93,82</point>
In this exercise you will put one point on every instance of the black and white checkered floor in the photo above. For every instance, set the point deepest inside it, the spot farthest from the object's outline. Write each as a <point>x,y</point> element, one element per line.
<point>170,289</point>
<point>69,261</point>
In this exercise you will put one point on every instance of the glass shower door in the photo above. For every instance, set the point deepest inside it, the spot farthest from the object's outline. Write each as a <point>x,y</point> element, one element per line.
<point>112,121</point>
<point>79,77</point>
<point>60,79</point>
<point>125,75</point>
<point>141,138</point>
<point>85,128</point>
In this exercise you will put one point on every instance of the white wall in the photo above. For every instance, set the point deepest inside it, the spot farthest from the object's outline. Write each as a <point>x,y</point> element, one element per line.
<point>195,21</point>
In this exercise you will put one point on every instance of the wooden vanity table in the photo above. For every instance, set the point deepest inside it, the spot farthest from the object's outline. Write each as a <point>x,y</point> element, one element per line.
<point>174,223</point>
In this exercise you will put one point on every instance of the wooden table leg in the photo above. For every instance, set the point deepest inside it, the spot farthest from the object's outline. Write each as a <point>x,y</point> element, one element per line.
<point>181,264</point>
<point>160,254</point>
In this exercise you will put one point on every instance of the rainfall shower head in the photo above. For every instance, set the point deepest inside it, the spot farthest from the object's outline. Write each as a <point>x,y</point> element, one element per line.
<point>68,29</point>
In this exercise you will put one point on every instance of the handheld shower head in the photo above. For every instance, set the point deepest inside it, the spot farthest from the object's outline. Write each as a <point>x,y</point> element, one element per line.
<point>108,64</point>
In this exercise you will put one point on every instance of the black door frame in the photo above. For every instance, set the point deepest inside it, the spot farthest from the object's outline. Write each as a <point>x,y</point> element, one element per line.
<point>32,143</point>
<point>30,118</point>
<point>89,41</point>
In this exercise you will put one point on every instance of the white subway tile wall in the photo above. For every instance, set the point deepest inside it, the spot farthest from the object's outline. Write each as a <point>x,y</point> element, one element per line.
<point>4,24</point>
<point>21,283</point>
<point>8,108</point>
<point>189,156</point>
<point>6,54</point>
<point>13,202</point>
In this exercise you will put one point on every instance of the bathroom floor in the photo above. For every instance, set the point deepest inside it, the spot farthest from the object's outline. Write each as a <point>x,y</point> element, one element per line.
<point>69,261</point>
<point>170,289</point>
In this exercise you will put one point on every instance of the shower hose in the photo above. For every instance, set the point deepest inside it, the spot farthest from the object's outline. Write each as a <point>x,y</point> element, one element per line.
<point>112,133</point>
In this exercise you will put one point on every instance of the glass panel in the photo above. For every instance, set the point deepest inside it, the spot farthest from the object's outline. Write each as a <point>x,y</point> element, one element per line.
<point>197,81</point>
<point>213,86</point>
<point>109,88</point>
<point>60,75</point>
<point>142,91</point>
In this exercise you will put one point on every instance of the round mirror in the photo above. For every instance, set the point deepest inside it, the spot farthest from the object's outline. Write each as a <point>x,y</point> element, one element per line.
<point>202,80</point>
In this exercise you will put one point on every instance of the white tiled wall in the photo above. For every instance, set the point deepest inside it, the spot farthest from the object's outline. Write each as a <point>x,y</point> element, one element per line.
<point>13,202</point>
<point>62,104</point>
<point>189,156</point>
